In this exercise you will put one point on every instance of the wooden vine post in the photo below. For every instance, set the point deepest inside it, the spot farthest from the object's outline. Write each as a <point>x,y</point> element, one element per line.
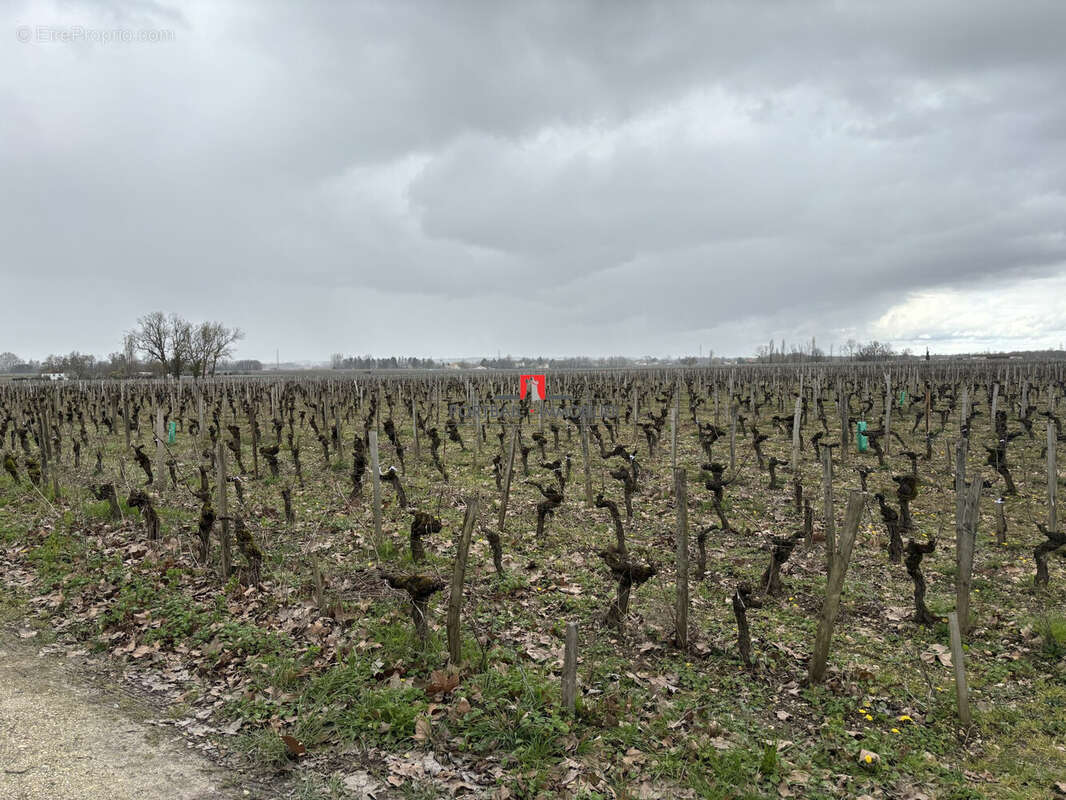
<point>414,422</point>
<point>831,605</point>
<point>733,442</point>
<point>1052,480</point>
<point>340,435</point>
<point>223,510</point>
<point>375,478</point>
<point>967,516</point>
<point>636,410</point>
<point>160,460</point>
<point>455,600</point>
<point>570,670</point>
<point>585,458</point>
<point>681,498</point>
<point>888,412</point>
<point>845,422</point>
<point>962,690</point>
<point>995,402</point>
<point>673,432</point>
<point>796,433</point>
<point>830,521</point>
<point>125,416</point>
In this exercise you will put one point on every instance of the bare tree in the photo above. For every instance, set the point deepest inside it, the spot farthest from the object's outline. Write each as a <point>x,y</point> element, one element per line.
<point>201,345</point>
<point>222,343</point>
<point>165,339</point>
<point>180,344</point>
<point>8,361</point>
<point>152,337</point>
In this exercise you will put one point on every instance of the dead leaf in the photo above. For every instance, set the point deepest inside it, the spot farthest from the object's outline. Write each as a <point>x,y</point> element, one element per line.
<point>442,681</point>
<point>422,730</point>
<point>937,652</point>
<point>361,784</point>
<point>293,747</point>
<point>459,709</point>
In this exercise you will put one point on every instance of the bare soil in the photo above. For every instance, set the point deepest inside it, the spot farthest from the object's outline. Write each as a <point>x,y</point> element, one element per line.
<point>62,737</point>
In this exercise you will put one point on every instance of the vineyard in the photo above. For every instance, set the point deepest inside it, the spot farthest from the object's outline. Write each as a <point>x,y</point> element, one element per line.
<point>758,581</point>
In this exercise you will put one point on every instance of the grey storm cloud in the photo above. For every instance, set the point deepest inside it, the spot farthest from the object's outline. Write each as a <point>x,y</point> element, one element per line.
<point>572,177</point>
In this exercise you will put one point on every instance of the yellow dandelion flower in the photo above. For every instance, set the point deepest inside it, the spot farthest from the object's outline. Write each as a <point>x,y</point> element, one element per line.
<point>904,718</point>
<point>869,718</point>
<point>869,759</point>
<point>895,730</point>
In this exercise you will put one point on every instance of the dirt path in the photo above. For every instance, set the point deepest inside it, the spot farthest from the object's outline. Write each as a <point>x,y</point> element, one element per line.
<point>61,737</point>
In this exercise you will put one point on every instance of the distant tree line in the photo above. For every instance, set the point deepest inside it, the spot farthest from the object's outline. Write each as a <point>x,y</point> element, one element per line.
<point>771,353</point>
<point>809,351</point>
<point>340,361</point>
<point>74,364</point>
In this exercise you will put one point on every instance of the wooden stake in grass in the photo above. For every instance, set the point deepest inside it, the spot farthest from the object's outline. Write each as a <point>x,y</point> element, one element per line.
<point>414,423</point>
<point>160,461</point>
<point>965,540</point>
<point>636,415</point>
<point>962,691</point>
<point>733,441</point>
<point>585,457</point>
<point>888,412</point>
<point>570,670</point>
<point>1001,523</point>
<point>1054,538</point>
<point>125,416</point>
<point>827,495</point>
<point>831,605</point>
<point>673,429</point>
<point>681,495</point>
<point>455,601</point>
<point>796,432</point>
<point>1052,478</point>
<point>375,478</point>
<point>223,511</point>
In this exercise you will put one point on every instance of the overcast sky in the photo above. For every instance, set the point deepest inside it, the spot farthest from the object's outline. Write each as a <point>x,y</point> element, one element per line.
<point>460,178</point>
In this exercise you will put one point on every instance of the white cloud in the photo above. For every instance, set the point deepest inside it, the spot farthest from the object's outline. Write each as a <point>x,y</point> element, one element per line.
<point>1026,315</point>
